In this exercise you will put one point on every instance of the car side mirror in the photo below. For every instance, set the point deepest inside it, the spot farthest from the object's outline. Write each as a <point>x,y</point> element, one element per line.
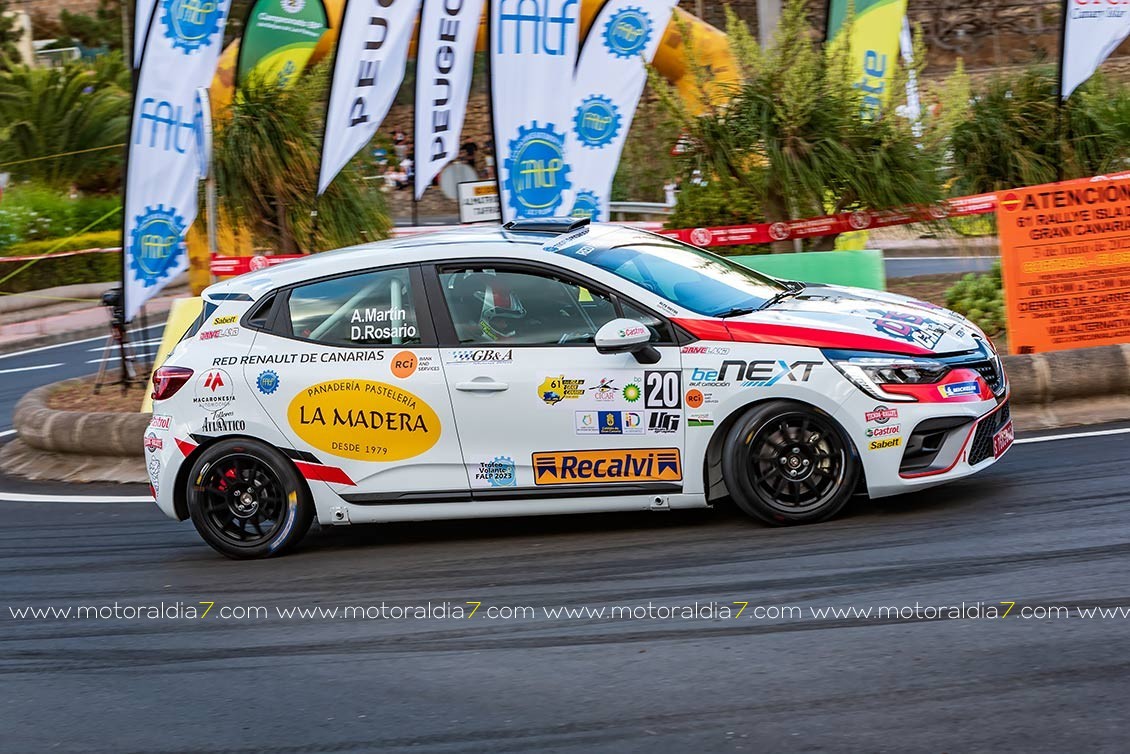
<point>626,336</point>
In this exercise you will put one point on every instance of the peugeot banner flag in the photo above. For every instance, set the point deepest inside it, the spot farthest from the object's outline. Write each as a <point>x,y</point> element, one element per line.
<point>181,52</point>
<point>446,58</point>
<point>533,49</point>
<point>607,86</point>
<point>371,53</point>
<point>1091,34</point>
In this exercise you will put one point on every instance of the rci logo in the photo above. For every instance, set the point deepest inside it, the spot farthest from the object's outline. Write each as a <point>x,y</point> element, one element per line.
<point>627,33</point>
<point>543,25</point>
<point>403,364</point>
<point>607,466</point>
<point>536,173</point>
<point>597,122</point>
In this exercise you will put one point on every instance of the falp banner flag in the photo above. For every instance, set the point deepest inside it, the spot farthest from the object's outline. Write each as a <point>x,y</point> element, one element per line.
<point>874,45</point>
<point>1091,34</point>
<point>533,49</point>
<point>446,57</point>
<point>279,39</point>
<point>607,85</point>
<point>160,196</point>
<point>371,51</point>
<point>142,13</point>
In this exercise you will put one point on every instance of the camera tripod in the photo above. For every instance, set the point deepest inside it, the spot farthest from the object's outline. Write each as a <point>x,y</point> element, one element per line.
<point>133,367</point>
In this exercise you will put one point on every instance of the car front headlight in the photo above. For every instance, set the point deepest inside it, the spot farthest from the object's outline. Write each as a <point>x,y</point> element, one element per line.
<point>871,371</point>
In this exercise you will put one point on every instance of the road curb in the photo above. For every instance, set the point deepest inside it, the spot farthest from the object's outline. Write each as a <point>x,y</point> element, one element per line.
<point>79,432</point>
<point>1069,388</point>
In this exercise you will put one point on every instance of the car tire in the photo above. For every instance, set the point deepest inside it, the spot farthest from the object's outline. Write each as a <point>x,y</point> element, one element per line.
<point>246,499</point>
<point>788,463</point>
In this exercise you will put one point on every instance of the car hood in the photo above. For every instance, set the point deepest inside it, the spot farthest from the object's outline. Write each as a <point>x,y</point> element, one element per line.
<point>865,319</point>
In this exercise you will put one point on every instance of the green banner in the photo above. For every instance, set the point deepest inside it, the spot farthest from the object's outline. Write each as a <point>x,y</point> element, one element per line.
<point>280,37</point>
<point>874,45</point>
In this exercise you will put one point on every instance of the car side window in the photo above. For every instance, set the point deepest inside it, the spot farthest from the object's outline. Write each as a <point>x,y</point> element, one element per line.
<point>376,308</point>
<point>522,308</point>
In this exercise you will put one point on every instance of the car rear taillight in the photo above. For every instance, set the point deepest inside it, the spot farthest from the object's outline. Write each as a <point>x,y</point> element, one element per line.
<point>168,380</point>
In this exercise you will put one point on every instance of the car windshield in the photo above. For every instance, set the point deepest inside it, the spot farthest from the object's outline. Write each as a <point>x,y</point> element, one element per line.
<point>692,278</point>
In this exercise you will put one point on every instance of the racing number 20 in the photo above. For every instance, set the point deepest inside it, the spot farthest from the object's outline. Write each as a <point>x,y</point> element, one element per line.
<point>661,390</point>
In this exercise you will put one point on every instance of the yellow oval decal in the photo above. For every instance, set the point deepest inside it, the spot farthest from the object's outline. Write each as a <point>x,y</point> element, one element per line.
<point>364,420</point>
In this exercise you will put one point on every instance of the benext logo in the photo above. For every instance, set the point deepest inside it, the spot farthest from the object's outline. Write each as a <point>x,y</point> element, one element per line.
<point>761,373</point>
<point>606,466</point>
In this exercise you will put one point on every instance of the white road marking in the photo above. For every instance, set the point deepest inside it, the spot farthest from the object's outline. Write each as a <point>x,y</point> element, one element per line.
<point>935,259</point>
<point>7,432</point>
<point>1074,435</point>
<point>71,343</point>
<point>19,497</point>
<point>29,369</point>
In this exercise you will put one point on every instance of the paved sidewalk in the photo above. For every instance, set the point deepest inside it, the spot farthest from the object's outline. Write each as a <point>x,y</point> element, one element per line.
<point>64,325</point>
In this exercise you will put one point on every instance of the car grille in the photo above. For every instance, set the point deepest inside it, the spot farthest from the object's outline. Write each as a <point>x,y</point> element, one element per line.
<point>985,363</point>
<point>982,447</point>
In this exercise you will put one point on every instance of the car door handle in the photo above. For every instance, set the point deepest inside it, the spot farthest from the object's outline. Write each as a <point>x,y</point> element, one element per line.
<point>484,385</point>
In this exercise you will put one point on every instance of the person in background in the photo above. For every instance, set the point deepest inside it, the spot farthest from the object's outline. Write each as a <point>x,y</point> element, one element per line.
<point>488,161</point>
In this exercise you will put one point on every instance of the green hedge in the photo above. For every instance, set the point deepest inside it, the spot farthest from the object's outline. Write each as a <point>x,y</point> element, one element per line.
<point>48,273</point>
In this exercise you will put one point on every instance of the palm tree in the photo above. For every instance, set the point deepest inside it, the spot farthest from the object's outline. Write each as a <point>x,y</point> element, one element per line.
<point>794,139</point>
<point>266,164</point>
<point>75,111</point>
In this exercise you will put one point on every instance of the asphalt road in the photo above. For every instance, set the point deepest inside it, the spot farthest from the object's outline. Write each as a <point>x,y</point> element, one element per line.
<point>905,267</point>
<point>1048,525</point>
<point>25,370</point>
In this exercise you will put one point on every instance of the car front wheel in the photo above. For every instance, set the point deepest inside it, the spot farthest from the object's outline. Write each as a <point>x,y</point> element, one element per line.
<point>788,463</point>
<point>247,500</point>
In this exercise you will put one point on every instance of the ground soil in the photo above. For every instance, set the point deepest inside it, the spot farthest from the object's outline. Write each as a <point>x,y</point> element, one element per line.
<point>110,398</point>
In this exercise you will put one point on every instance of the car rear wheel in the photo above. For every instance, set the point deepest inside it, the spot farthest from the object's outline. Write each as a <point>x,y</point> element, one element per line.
<point>247,500</point>
<point>788,463</point>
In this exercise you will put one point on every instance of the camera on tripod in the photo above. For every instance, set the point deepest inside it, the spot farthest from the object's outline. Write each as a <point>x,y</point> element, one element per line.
<point>112,300</point>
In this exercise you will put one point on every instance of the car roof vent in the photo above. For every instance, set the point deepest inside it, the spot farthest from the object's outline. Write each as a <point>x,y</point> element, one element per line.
<point>555,225</point>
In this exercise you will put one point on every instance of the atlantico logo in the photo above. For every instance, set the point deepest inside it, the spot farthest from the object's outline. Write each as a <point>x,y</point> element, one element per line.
<point>607,466</point>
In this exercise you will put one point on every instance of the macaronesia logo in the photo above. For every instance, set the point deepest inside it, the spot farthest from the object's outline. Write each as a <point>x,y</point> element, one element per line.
<point>364,420</point>
<point>607,466</point>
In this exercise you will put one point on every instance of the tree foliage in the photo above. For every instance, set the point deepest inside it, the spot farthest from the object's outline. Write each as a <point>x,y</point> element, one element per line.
<point>266,164</point>
<point>795,139</point>
<point>1010,138</point>
<point>67,114</point>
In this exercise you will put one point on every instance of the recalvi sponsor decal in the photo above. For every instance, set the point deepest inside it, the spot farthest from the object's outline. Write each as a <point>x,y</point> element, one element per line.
<point>607,466</point>
<point>364,420</point>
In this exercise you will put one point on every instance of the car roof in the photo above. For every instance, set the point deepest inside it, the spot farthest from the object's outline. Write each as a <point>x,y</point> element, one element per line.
<point>469,242</point>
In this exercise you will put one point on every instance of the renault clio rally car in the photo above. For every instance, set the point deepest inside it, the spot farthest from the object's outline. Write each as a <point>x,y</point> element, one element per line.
<point>555,366</point>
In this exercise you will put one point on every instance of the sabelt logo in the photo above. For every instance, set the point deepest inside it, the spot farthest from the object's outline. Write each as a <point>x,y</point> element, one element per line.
<point>891,442</point>
<point>364,420</point>
<point>228,320</point>
<point>607,466</point>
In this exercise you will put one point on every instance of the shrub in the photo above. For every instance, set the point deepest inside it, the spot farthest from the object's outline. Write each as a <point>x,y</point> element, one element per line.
<point>30,213</point>
<point>979,298</point>
<point>48,273</point>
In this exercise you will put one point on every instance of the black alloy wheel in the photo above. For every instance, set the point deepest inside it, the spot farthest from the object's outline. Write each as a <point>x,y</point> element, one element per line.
<point>247,500</point>
<point>788,463</point>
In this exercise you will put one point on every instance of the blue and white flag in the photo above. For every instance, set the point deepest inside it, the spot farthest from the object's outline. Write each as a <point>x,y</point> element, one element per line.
<point>142,12</point>
<point>372,49</point>
<point>444,62</point>
<point>606,89</point>
<point>533,49</point>
<point>181,53</point>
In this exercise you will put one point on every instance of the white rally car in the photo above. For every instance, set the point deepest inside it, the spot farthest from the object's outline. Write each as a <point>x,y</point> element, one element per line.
<point>555,367</point>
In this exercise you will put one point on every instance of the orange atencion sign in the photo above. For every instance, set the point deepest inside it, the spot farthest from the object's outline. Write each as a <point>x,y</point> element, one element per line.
<point>1065,258</point>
